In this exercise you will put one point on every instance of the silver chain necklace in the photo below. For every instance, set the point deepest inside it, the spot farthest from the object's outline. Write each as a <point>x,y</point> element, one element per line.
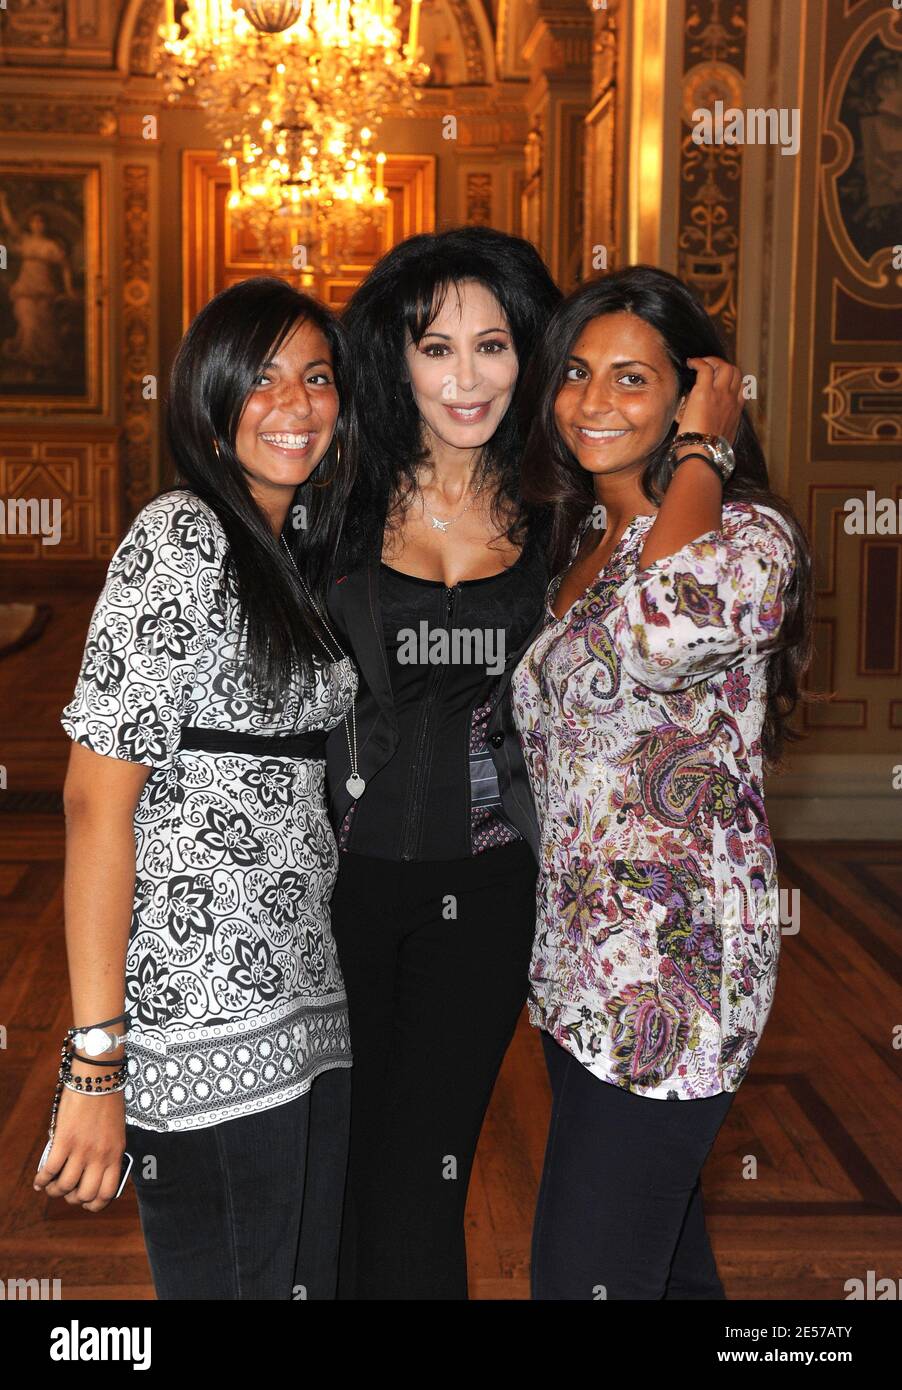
<point>355,783</point>
<point>437,523</point>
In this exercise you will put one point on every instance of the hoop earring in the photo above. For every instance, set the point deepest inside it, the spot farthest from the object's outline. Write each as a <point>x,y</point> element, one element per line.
<point>328,482</point>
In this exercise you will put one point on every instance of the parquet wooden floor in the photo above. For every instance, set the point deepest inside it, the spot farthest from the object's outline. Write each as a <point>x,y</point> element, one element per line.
<point>819,1111</point>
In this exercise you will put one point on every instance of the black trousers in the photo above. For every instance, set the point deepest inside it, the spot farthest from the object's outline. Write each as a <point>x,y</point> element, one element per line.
<point>435,957</point>
<point>620,1212</point>
<point>249,1208</point>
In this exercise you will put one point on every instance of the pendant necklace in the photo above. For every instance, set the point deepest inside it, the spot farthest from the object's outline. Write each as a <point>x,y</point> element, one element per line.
<point>355,783</point>
<point>437,523</point>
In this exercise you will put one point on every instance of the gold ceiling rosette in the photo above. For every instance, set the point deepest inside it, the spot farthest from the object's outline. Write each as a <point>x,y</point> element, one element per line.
<point>294,92</point>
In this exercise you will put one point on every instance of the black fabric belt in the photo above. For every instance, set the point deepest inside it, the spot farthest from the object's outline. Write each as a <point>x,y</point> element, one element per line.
<point>310,745</point>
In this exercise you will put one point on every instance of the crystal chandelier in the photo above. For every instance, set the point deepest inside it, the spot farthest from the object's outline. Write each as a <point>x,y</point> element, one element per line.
<point>294,91</point>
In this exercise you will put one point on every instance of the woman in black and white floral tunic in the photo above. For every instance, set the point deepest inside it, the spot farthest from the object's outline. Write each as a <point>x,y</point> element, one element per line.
<point>232,982</point>
<point>207,687</point>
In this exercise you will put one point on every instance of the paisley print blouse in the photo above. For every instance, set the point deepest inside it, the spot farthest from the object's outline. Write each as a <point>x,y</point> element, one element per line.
<point>232,976</point>
<point>640,715</point>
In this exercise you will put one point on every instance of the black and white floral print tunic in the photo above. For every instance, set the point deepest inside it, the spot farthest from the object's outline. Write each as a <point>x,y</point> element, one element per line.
<point>232,976</point>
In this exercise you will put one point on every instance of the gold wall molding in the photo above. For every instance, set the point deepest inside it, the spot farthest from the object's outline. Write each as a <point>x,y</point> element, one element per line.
<point>880,622</point>
<point>474,48</point>
<point>710,209</point>
<point>605,152</point>
<point>29,29</point>
<point>139,415</point>
<point>560,40</point>
<point>559,52</point>
<point>512,25</point>
<point>864,403</point>
<point>862,319</point>
<point>876,271</point>
<point>46,30</point>
<point>479,200</point>
<point>53,462</point>
<point>70,118</point>
<point>466,104</point>
<point>835,553</point>
<point>850,602</point>
<point>531,192</point>
<point>607,43</point>
<point>140,22</point>
<point>854,381</point>
<point>90,24</point>
<point>764,294</point>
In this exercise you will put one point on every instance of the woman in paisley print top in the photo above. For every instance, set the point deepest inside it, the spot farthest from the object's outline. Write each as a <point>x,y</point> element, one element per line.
<point>200,858</point>
<point>648,708</point>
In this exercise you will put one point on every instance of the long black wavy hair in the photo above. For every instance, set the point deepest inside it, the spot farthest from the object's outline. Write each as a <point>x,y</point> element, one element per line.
<point>551,475</point>
<point>214,371</point>
<point>403,294</point>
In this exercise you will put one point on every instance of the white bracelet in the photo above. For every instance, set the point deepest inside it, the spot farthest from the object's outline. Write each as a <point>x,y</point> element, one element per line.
<point>93,1041</point>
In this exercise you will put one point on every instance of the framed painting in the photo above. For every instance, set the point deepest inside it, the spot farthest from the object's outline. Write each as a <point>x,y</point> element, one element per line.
<point>50,324</point>
<point>862,174</point>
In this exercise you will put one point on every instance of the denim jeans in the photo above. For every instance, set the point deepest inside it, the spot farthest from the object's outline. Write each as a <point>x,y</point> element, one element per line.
<point>620,1212</point>
<point>249,1208</point>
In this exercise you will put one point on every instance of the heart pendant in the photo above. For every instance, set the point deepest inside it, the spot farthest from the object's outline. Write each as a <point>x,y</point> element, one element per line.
<point>355,784</point>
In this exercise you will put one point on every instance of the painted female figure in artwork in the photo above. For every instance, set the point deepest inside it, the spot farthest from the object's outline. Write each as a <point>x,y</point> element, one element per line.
<point>45,277</point>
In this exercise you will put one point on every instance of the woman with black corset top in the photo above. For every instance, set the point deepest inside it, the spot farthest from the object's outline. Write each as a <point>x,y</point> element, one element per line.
<point>438,591</point>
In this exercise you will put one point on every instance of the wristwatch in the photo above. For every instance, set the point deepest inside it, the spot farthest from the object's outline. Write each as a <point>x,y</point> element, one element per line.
<point>716,448</point>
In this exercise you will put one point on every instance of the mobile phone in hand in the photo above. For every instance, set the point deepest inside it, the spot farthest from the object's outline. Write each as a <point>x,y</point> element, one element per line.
<point>126,1168</point>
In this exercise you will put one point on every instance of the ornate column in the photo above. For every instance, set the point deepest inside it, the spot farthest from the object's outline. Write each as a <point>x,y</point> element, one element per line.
<point>558,51</point>
<point>606,148</point>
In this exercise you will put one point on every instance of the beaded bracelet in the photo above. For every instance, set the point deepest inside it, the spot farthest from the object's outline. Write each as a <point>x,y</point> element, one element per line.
<point>90,1085</point>
<point>86,1086</point>
<point>65,1080</point>
<point>72,1085</point>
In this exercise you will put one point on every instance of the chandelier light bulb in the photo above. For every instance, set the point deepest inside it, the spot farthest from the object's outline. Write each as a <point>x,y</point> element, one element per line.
<point>270,73</point>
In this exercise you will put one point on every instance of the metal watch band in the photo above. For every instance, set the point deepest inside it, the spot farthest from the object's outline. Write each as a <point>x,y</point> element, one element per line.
<point>717,451</point>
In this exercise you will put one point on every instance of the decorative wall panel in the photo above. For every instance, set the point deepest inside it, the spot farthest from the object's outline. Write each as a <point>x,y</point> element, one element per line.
<point>714,64</point>
<point>79,474</point>
<point>854,431</point>
<point>140,412</point>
